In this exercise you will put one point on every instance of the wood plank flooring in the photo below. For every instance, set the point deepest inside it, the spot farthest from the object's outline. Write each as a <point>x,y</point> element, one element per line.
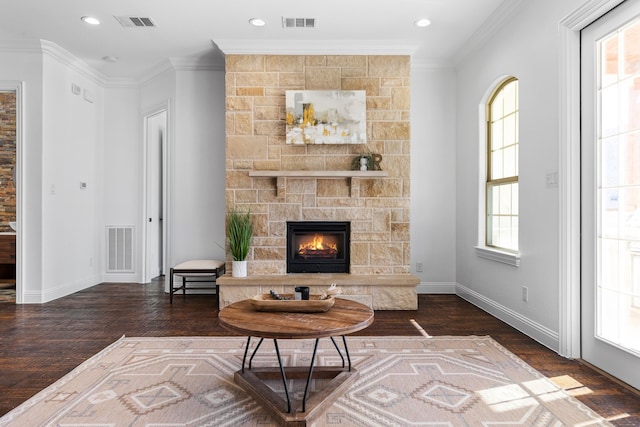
<point>41,343</point>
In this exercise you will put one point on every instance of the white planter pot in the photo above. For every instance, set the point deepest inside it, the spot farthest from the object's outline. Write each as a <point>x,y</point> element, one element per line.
<point>239,268</point>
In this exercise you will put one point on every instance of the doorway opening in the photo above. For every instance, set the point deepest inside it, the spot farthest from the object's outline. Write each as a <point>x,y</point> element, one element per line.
<point>155,139</point>
<point>10,141</point>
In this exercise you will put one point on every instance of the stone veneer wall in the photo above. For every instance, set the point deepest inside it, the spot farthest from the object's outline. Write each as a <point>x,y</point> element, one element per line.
<point>7,159</point>
<point>255,140</point>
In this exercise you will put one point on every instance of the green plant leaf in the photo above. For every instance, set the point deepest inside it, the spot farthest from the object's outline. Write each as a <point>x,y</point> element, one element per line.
<point>239,232</point>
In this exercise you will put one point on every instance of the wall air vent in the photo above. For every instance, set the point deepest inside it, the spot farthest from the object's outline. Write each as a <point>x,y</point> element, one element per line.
<point>135,21</point>
<point>120,249</point>
<point>299,22</point>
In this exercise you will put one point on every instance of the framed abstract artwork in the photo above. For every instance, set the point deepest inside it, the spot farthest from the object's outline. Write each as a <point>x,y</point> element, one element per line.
<point>326,117</point>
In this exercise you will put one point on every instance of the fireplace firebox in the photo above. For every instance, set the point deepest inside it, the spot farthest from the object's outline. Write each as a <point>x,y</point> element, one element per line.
<point>318,246</point>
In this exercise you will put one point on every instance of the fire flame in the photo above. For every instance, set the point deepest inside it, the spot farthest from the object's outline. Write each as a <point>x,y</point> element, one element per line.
<point>317,244</point>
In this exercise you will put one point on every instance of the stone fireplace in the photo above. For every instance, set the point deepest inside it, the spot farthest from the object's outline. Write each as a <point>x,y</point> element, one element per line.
<point>280,183</point>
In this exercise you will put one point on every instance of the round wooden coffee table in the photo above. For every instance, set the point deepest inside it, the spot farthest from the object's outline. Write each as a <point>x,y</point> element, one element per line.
<point>345,317</point>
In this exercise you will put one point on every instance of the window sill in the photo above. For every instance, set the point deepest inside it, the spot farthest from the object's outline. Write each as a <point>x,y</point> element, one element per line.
<point>509,258</point>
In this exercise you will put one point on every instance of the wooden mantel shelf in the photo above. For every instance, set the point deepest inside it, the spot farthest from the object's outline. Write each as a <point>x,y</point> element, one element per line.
<point>319,174</point>
<point>353,175</point>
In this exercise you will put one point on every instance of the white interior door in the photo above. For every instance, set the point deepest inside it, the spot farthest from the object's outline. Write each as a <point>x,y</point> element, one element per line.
<point>610,55</point>
<point>154,250</point>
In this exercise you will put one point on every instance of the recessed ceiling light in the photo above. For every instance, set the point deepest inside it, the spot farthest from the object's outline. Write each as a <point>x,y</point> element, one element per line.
<point>424,22</point>
<point>90,20</point>
<point>109,58</point>
<point>257,22</point>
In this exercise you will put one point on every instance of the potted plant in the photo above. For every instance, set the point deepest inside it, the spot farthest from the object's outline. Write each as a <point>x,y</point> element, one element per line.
<point>239,232</point>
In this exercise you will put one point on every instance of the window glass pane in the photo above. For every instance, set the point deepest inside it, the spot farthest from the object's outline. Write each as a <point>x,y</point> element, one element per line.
<point>504,238</point>
<point>629,215</point>
<point>609,266</point>
<point>505,200</point>
<point>515,242</point>
<point>510,130</point>
<point>609,111</point>
<point>497,165</point>
<point>629,97</point>
<point>631,49</point>
<point>510,160</point>
<point>496,106</point>
<point>609,212</point>
<point>494,198</point>
<point>630,159</point>
<point>515,199</point>
<point>609,54</point>
<point>610,157</point>
<point>517,148</point>
<point>496,135</point>
<point>510,101</point>
<point>495,233</point>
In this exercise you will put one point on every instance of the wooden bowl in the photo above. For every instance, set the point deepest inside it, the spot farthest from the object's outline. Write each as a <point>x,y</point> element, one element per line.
<point>265,302</point>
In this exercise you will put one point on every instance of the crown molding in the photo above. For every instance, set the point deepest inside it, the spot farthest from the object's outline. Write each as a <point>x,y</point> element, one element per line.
<point>67,58</point>
<point>21,46</point>
<point>495,22</point>
<point>588,13</point>
<point>317,47</point>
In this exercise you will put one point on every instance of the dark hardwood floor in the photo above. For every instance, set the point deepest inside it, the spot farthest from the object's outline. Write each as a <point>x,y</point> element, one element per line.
<point>41,343</point>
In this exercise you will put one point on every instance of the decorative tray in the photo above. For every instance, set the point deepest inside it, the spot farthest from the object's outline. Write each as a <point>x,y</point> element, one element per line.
<point>266,302</point>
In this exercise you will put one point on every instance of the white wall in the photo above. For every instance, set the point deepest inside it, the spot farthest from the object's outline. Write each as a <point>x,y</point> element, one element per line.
<point>198,167</point>
<point>121,165</point>
<point>71,153</point>
<point>433,177</point>
<point>527,47</point>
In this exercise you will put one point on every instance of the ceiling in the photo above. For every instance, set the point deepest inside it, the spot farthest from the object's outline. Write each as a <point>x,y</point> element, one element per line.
<point>193,28</point>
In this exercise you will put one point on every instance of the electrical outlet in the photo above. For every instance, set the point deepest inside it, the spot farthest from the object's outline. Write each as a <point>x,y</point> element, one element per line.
<point>419,267</point>
<point>525,294</point>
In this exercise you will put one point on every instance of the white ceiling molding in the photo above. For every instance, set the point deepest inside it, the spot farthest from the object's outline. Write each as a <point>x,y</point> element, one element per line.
<point>315,47</point>
<point>21,46</point>
<point>67,58</point>
<point>495,22</point>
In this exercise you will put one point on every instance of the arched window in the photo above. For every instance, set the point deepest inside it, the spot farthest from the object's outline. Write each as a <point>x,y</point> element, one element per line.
<point>502,167</point>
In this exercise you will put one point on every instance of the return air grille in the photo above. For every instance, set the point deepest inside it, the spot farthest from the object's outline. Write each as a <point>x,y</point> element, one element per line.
<point>120,249</point>
<point>299,22</point>
<point>135,21</point>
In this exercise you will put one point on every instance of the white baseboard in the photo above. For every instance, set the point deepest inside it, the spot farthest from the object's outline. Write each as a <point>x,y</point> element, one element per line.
<point>31,297</point>
<point>534,330</point>
<point>121,278</point>
<point>436,288</point>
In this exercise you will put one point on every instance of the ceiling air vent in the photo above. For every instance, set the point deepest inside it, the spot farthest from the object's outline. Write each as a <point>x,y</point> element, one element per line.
<point>135,21</point>
<point>299,22</point>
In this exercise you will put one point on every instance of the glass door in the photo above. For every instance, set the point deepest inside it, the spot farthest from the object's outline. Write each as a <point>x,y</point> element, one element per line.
<point>611,193</point>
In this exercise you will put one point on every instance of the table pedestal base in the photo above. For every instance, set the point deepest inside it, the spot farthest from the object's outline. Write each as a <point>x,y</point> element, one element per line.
<point>252,381</point>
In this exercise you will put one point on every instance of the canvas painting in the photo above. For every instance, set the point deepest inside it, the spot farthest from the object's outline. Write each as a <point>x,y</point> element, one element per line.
<point>326,117</point>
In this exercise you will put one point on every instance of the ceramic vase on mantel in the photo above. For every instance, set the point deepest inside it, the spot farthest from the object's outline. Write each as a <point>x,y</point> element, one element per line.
<point>239,268</point>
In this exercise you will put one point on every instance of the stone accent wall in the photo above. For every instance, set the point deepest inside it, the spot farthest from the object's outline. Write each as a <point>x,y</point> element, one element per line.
<point>255,140</point>
<point>7,159</point>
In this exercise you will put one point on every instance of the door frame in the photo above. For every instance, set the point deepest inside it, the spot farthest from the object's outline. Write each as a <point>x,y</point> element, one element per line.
<point>569,171</point>
<point>158,109</point>
<point>18,87</point>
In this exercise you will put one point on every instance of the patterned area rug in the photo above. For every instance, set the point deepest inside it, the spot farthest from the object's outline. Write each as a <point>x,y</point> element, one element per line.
<point>420,381</point>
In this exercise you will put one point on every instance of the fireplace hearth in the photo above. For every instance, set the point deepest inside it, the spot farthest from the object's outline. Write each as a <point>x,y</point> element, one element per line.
<point>318,246</point>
